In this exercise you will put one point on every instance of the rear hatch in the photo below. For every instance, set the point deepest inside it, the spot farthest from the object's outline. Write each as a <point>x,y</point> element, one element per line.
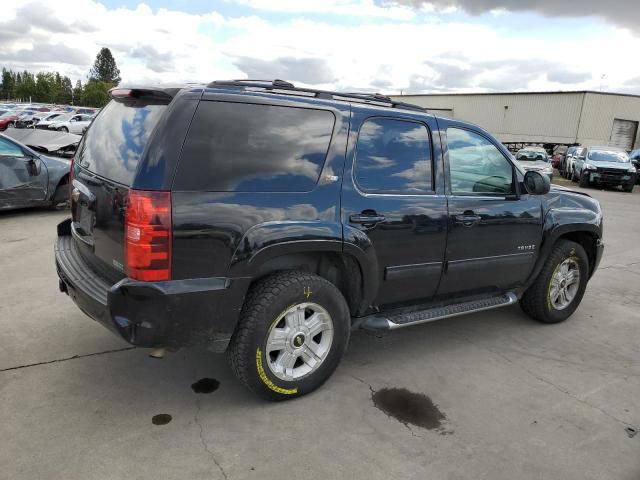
<point>104,169</point>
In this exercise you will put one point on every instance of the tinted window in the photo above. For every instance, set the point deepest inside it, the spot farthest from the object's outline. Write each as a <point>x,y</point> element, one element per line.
<point>8,149</point>
<point>476,165</point>
<point>114,144</point>
<point>393,156</point>
<point>254,148</point>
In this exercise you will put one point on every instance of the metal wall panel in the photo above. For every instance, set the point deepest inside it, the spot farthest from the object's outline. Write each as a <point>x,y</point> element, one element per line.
<point>599,113</point>
<point>535,117</point>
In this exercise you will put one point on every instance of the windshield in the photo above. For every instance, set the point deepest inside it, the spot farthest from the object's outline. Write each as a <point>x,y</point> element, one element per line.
<point>608,156</point>
<point>531,156</point>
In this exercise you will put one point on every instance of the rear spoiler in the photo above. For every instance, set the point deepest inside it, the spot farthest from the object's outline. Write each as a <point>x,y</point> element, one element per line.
<point>143,95</point>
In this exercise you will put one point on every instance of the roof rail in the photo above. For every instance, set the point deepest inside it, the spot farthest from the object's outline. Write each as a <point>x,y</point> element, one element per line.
<point>288,88</point>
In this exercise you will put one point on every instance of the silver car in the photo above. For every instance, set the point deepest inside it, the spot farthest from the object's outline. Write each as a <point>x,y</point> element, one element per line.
<point>535,158</point>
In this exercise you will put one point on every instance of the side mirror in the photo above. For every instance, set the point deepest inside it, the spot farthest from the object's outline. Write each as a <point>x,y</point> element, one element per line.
<point>536,183</point>
<point>34,167</point>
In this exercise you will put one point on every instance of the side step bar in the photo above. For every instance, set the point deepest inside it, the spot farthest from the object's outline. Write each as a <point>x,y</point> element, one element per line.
<point>392,321</point>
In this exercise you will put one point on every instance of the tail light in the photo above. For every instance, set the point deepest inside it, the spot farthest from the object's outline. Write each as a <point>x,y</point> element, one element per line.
<point>147,236</point>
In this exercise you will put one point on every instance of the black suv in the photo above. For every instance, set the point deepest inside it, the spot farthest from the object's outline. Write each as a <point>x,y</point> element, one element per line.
<point>268,221</point>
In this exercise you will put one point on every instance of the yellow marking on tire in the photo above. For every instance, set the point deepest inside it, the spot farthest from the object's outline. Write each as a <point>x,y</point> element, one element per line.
<point>307,292</point>
<point>269,383</point>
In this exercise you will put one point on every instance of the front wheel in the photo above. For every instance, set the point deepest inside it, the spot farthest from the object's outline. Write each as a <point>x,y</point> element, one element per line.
<point>584,180</point>
<point>293,331</point>
<point>559,288</point>
<point>63,129</point>
<point>628,188</point>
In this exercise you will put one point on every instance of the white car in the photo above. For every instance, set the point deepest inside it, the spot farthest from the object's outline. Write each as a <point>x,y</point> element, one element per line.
<point>74,124</point>
<point>54,117</point>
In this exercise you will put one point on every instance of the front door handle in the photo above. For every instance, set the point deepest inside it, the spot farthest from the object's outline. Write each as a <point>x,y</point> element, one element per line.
<point>366,219</point>
<point>468,220</point>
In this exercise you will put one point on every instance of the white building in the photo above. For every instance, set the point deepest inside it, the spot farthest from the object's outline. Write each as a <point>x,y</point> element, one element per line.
<point>550,118</point>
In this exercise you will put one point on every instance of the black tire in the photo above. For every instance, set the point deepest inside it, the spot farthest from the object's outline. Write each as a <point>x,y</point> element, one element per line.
<point>574,177</point>
<point>628,188</point>
<point>265,303</point>
<point>63,129</point>
<point>536,301</point>
<point>584,180</point>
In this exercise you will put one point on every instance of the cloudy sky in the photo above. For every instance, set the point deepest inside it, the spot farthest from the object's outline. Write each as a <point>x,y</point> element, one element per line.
<point>378,45</point>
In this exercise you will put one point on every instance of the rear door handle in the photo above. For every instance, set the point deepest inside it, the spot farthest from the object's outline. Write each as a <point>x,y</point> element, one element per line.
<point>468,220</point>
<point>366,219</point>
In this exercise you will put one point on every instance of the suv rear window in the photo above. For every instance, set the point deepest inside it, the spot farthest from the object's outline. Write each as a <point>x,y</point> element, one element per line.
<point>240,147</point>
<point>112,147</point>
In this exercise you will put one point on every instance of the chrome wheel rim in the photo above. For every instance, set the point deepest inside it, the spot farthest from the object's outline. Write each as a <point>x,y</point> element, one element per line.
<point>565,282</point>
<point>299,341</point>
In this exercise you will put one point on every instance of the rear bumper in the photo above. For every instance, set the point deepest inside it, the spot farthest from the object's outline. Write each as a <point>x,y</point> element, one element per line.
<point>172,314</point>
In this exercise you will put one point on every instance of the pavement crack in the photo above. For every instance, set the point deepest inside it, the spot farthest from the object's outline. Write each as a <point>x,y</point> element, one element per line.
<point>205,445</point>
<point>550,383</point>
<point>59,360</point>
<point>619,265</point>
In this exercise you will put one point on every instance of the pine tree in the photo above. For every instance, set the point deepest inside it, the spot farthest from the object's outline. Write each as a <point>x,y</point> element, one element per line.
<point>104,68</point>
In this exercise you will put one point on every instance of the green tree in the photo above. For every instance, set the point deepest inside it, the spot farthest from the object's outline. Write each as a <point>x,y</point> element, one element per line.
<point>77,93</point>
<point>95,93</point>
<point>105,69</point>
<point>8,84</point>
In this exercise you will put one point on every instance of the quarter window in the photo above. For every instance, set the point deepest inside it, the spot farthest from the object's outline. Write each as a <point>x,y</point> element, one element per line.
<point>240,147</point>
<point>476,165</point>
<point>393,156</point>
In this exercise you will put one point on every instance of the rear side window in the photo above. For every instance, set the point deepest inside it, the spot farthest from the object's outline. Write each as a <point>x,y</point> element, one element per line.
<point>239,147</point>
<point>112,147</point>
<point>393,156</point>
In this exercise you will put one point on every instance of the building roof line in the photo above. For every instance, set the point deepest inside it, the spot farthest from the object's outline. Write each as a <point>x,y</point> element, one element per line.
<point>553,92</point>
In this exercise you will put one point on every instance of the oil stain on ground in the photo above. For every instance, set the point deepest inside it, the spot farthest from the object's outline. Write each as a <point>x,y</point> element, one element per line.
<point>161,419</point>
<point>409,407</point>
<point>205,385</point>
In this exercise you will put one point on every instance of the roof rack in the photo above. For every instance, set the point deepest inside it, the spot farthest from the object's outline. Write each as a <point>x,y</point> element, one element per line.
<point>288,88</point>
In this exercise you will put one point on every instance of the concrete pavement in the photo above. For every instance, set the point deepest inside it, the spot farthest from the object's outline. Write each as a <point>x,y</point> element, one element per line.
<point>521,400</point>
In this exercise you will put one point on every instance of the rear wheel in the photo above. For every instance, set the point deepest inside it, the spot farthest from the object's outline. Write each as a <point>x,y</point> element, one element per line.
<point>560,286</point>
<point>293,331</point>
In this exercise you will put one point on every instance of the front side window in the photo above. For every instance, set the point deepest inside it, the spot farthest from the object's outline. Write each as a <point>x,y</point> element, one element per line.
<point>8,149</point>
<point>241,147</point>
<point>476,165</point>
<point>393,156</point>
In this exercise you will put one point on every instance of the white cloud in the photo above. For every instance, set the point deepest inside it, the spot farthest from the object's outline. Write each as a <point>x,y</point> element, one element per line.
<point>375,47</point>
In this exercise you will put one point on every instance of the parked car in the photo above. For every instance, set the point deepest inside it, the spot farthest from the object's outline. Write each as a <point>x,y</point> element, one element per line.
<point>535,158</point>
<point>634,156</point>
<point>29,119</point>
<point>559,152</point>
<point>30,179</point>
<point>75,124</point>
<point>566,166</point>
<point>86,111</point>
<point>605,166</point>
<point>52,118</point>
<point>268,221</point>
<point>8,120</point>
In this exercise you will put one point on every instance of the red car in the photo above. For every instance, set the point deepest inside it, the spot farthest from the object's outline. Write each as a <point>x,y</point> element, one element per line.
<point>8,119</point>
